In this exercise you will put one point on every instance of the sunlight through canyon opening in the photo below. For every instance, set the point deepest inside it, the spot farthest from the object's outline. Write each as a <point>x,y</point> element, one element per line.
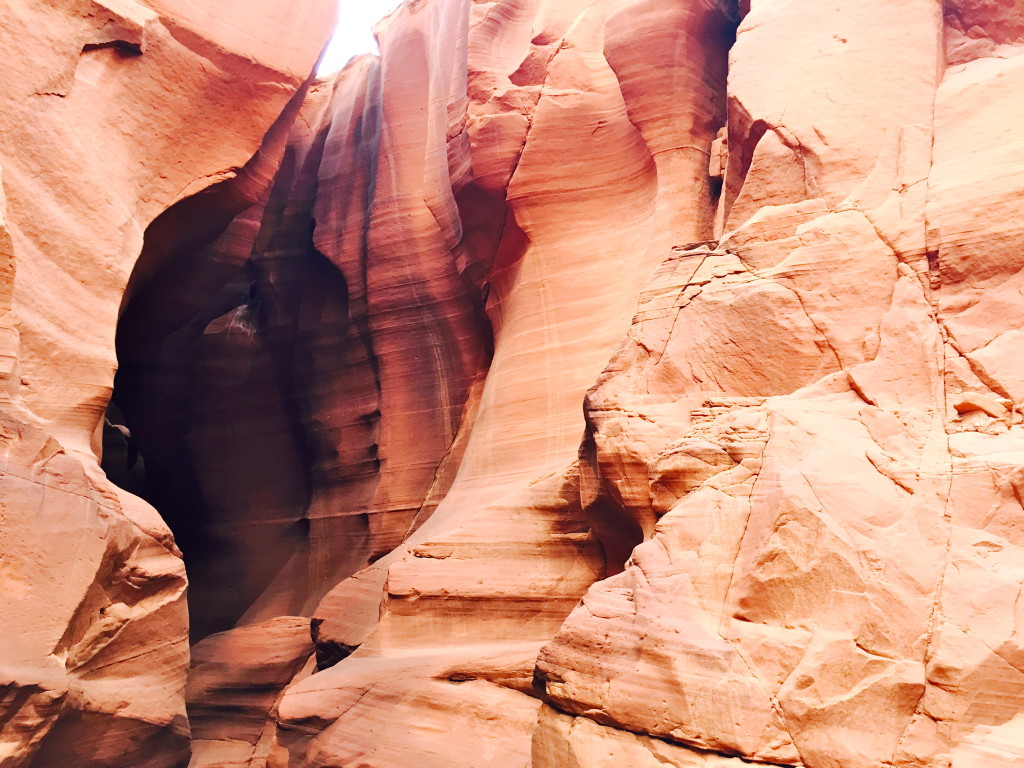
<point>354,34</point>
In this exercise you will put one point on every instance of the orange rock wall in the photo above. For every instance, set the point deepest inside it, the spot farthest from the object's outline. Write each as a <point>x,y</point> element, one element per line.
<point>801,429</point>
<point>110,113</point>
<point>574,385</point>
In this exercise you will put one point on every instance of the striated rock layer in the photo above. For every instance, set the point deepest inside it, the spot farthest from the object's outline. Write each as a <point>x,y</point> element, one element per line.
<point>398,339</point>
<point>577,384</point>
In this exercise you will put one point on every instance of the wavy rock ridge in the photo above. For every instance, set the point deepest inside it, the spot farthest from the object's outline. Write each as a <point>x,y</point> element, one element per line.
<point>577,384</point>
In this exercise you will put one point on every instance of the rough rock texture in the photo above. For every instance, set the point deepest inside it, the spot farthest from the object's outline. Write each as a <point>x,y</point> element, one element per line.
<point>832,500</point>
<point>110,114</point>
<point>595,383</point>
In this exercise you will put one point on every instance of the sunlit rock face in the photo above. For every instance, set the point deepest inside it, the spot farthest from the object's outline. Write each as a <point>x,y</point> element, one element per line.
<point>110,114</point>
<point>819,413</point>
<point>576,384</point>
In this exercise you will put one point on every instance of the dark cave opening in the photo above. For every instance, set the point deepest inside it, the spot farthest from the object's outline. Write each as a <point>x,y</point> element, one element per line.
<point>210,420</point>
<point>174,297</point>
<point>192,355</point>
<point>206,421</point>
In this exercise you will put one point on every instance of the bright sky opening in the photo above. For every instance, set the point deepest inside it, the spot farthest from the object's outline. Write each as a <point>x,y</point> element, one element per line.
<point>354,34</point>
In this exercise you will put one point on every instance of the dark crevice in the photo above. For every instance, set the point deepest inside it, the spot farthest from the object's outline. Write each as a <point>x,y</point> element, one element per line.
<point>123,47</point>
<point>745,134</point>
<point>235,334</point>
<point>328,652</point>
<point>184,293</point>
<point>622,525</point>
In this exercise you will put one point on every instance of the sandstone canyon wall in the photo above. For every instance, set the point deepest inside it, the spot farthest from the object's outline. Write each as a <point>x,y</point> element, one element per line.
<point>577,384</point>
<point>112,113</point>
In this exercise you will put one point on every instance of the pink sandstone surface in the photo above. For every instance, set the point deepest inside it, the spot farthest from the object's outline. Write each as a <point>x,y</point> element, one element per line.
<point>576,384</point>
<point>111,114</point>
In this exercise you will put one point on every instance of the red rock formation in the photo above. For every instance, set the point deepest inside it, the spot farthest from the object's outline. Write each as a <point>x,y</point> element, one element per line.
<point>804,598</point>
<point>111,113</point>
<point>476,320</point>
<point>577,384</point>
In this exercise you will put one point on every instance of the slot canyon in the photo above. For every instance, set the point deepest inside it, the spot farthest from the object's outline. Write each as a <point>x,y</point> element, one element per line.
<point>574,384</point>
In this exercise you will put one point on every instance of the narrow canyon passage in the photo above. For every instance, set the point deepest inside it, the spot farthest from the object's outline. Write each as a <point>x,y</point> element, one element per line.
<point>249,379</point>
<point>307,382</point>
